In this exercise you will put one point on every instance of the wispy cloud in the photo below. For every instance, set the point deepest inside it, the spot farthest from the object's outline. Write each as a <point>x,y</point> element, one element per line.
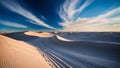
<point>100,19</point>
<point>68,10</point>
<point>110,13</point>
<point>101,22</point>
<point>12,24</point>
<point>14,6</point>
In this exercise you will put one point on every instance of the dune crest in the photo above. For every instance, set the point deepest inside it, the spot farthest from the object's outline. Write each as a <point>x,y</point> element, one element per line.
<point>62,38</point>
<point>17,54</point>
<point>43,34</point>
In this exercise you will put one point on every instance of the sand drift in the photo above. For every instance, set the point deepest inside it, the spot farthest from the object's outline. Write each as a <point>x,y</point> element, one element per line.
<point>75,50</point>
<point>18,54</point>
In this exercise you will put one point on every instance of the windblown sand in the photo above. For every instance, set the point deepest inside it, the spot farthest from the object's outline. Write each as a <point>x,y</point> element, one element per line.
<point>17,54</point>
<point>43,34</point>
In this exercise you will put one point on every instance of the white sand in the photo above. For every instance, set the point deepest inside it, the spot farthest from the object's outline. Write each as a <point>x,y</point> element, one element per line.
<point>43,34</point>
<point>17,54</point>
<point>62,38</point>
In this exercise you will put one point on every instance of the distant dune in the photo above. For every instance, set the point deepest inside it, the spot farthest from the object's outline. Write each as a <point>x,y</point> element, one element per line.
<point>43,34</point>
<point>17,54</point>
<point>3,33</point>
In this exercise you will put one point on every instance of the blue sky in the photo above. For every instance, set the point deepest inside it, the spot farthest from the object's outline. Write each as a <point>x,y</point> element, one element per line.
<point>65,15</point>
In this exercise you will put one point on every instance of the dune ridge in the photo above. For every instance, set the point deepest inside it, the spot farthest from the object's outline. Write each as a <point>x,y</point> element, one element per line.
<point>43,34</point>
<point>18,54</point>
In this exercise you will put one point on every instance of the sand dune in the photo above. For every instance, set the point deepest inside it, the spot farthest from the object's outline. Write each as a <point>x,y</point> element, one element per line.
<point>17,54</point>
<point>91,37</point>
<point>43,34</point>
<point>63,54</point>
<point>62,38</point>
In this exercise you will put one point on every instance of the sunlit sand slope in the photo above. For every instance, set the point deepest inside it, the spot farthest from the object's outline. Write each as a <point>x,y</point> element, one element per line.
<point>43,34</point>
<point>17,54</point>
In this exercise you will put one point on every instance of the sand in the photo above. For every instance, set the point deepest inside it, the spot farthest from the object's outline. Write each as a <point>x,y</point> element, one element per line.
<point>43,34</point>
<point>18,54</point>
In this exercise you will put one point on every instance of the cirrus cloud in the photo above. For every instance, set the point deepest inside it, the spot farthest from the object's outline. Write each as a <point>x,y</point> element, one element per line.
<point>12,24</point>
<point>68,10</point>
<point>102,22</point>
<point>14,6</point>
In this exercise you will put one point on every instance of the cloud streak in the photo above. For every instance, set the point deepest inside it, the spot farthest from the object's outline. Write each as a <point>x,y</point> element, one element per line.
<point>68,10</point>
<point>91,24</point>
<point>100,19</point>
<point>11,24</point>
<point>101,22</point>
<point>14,6</point>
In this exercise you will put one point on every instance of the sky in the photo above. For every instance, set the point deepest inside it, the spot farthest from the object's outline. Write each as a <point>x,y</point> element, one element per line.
<point>59,15</point>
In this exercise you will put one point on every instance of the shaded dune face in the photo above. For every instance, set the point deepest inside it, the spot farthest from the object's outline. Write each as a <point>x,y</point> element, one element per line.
<point>17,54</point>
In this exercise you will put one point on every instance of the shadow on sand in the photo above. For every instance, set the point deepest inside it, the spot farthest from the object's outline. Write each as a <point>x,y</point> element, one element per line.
<point>103,50</point>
